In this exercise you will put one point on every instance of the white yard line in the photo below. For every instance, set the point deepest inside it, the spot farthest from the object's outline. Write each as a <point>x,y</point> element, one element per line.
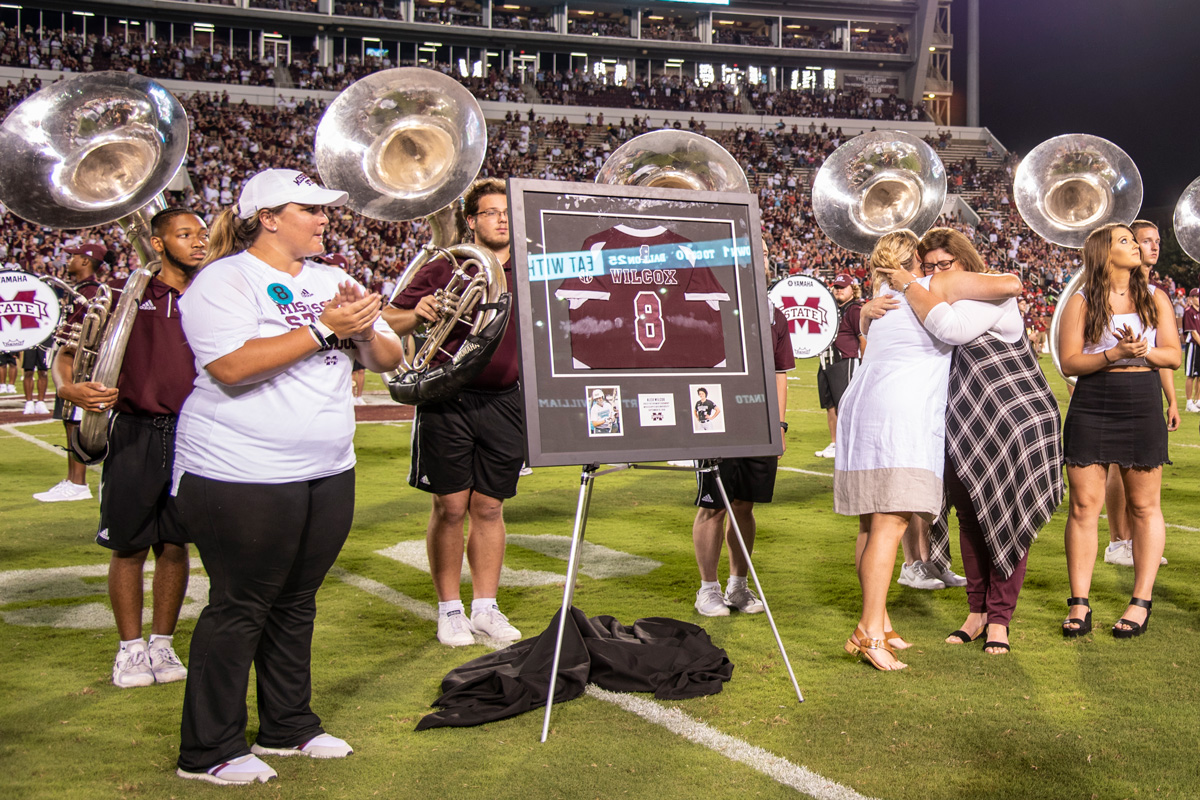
<point>674,720</point>
<point>807,472</point>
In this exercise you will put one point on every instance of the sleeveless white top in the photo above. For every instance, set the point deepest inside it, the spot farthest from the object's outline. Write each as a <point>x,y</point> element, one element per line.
<point>1108,339</point>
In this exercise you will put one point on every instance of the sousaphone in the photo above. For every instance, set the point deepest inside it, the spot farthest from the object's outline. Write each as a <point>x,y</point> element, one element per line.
<point>1066,188</point>
<point>671,159</point>
<point>89,150</point>
<point>405,144</point>
<point>877,183</point>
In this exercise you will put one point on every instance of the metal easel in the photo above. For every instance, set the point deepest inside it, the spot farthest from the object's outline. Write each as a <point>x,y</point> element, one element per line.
<point>587,478</point>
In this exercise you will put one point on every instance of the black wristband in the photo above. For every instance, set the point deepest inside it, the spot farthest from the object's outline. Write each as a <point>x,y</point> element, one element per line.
<point>783,425</point>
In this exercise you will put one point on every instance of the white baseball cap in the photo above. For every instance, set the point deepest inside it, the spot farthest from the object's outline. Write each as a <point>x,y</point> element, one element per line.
<point>272,188</point>
<point>597,394</point>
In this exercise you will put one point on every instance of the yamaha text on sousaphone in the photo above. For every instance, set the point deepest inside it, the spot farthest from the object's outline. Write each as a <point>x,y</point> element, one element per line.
<point>86,151</point>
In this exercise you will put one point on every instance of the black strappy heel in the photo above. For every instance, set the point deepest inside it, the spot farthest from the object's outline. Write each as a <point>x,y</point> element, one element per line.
<point>996,645</point>
<point>1134,628</point>
<point>1084,625</point>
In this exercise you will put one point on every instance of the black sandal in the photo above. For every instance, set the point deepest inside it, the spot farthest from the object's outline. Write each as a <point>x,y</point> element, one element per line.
<point>988,644</point>
<point>964,637</point>
<point>1134,628</point>
<point>1084,625</point>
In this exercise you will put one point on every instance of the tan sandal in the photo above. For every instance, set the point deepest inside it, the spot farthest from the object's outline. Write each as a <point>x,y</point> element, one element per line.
<point>864,645</point>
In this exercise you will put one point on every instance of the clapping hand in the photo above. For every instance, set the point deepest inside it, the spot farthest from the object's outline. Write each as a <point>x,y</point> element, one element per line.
<point>352,313</point>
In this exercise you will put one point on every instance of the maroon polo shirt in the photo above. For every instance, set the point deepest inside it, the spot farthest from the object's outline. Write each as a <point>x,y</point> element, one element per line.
<point>88,289</point>
<point>1191,322</point>
<point>501,372</point>
<point>159,369</point>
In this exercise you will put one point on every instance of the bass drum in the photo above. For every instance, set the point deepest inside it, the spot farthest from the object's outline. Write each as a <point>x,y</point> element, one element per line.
<point>810,310</point>
<point>30,311</point>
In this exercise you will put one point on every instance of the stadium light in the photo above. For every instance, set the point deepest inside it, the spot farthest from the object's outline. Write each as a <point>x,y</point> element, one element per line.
<point>10,5</point>
<point>584,13</point>
<point>580,55</point>
<point>83,13</point>
<point>654,17</point>
<point>933,49</point>
<point>511,8</point>
<point>371,39</point>
<point>432,44</point>
<point>272,36</point>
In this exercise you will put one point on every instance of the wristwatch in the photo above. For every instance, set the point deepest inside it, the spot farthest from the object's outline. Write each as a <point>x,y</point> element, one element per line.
<point>323,334</point>
<point>783,425</point>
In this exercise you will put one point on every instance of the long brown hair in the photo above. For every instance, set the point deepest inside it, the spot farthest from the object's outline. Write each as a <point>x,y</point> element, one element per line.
<point>231,234</point>
<point>889,253</point>
<point>956,245</point>
<point>1097,282</point>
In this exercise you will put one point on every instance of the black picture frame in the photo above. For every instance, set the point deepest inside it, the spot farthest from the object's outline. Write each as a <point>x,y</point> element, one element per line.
<point>686,310</point>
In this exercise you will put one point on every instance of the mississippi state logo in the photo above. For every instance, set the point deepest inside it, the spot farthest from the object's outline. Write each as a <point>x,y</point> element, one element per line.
<point>810,311</point>
<point>29,311</point>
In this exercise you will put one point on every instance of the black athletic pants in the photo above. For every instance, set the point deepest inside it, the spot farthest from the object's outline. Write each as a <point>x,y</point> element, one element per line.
<point>266,548</point>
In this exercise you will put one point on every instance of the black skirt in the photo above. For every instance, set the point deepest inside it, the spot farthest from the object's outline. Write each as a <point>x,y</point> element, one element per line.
<point>1116,418</point>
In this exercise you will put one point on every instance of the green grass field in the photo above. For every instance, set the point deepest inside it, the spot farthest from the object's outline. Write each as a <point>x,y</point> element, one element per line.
<point>1088,718</point>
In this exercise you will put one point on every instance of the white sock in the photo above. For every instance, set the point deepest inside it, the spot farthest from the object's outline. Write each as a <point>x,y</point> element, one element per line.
<point>710,585</point>
<point>735,582</point>
<point>483,604</point>
<point>450,605</point>
<point>125,645</point>
<point>156,636</point>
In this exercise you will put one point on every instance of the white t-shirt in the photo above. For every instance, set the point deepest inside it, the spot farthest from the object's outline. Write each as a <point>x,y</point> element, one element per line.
<point>298,425</point>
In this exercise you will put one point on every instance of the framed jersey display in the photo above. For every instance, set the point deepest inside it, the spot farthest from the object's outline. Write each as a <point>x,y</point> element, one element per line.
<point>632,300</point>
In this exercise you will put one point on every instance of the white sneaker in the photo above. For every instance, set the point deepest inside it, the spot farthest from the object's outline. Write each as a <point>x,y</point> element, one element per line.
<point>946,576</point>
<point>829,451</point>
<point>455,629</point>
<point>360,401</point>
<point>916,575</point>
<point>525,471</point>
<point>492,622</point>
<point>1191,406</point>
<point>240,771</point>
<point>321,746</point>
<point>1119,553</point>
<point>744,600</point>
<point>28,407</point>
<point>64,491</point>
<point>711,603</point>
<point>132,668</point>
<point>165,665</point>
<point>40,408</point>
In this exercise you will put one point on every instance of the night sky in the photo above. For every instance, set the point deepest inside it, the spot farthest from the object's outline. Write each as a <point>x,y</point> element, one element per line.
<point>1126,70</point>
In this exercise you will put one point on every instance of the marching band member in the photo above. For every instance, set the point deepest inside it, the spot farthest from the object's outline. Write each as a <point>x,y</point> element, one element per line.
<point>1113,341</point>
<point>264,472</point>
<point>468,450</point>
<point>137,513</point>
<point>85,260</point>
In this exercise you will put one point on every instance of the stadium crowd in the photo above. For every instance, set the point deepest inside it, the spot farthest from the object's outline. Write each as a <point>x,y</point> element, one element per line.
<point>230,141</point>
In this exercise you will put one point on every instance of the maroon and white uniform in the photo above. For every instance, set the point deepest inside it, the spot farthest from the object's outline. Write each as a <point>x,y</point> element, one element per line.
<point>647,313</point>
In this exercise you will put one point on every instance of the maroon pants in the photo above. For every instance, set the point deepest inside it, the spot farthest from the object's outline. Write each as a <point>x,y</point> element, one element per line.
<point>988,591</point>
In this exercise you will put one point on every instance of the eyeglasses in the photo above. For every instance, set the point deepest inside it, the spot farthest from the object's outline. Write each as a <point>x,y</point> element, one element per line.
<point>493,213</point>
<point>940,266</point>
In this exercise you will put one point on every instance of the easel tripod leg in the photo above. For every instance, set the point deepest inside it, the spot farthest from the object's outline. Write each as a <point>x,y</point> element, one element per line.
<point>581,512</point>
<point>737,532</point>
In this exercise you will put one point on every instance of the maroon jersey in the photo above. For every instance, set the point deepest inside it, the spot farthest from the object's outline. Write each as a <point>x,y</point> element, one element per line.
<point>501,372</point>
<point>648,315</point>
<point>88,289</point>
<point>158,370</point>
<point>781,338</point>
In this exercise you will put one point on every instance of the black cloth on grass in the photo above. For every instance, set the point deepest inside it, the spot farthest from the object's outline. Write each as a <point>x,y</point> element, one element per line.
<point>675,660</point>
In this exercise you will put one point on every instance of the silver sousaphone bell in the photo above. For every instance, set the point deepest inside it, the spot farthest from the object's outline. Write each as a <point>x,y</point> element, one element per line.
<point>1066,188</point>
<point>86,151</point>
<point>1186,220</point>
<point>671,159</point>
<point>405,144</point>
<point>877,183</point>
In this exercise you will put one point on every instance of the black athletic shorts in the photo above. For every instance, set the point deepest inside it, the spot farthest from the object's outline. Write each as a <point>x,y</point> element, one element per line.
<point>833,380</point>
<point>8,359</point>
<point>475,440</point>
<point>36,359</point>
<point>748,479</point>
<point>1191,359</point>
<point>136,507</point>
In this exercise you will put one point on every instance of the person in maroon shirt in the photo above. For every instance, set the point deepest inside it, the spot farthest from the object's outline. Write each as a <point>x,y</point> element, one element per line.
<point>82,267</point>
<point>468,450</point>
<point>840,360</point>
<point>747,481</point>
<point>137,513</point>
<point>1191,350</point>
